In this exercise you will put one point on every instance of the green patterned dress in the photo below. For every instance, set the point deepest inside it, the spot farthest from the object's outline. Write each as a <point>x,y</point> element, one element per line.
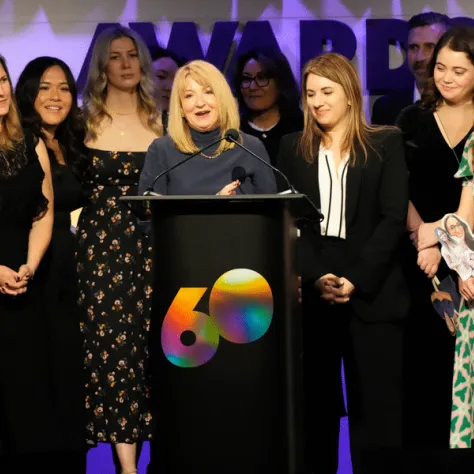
<point>462,415</point>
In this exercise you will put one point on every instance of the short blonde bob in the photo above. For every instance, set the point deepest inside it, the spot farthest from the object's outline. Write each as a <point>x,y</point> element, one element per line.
<point>206,75</point>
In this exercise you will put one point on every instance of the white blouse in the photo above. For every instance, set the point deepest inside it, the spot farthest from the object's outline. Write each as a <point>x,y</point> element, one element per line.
<point>332,192</point>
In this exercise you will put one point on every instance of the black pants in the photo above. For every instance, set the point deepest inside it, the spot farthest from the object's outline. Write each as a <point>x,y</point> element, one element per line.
<point>372,357</point>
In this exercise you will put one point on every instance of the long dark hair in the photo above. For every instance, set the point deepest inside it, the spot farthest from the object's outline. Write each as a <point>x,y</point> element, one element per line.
<point>70,134</point>
<point>468,239</point>
<point>459,39</point>
<point>276,66</point>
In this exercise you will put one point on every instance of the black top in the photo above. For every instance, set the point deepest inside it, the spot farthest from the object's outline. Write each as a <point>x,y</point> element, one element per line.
<point>206,176</point>
<point>376,211</point>
<point>271,138</point>
<point>434,190</point>
<point>387,108</point>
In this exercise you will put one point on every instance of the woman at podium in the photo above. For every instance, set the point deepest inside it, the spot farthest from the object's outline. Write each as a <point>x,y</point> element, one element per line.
<point>354,294</point>
<point>202,111</point>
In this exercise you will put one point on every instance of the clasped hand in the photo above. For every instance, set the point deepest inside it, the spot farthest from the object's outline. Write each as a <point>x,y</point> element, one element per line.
<point>334,289</point>
<point>14,283</point>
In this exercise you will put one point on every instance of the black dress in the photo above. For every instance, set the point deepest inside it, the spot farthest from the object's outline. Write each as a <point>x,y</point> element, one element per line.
<point>114,271</point>
<point>29,421</point>
<point>435,192</point>
<point>58,270</point>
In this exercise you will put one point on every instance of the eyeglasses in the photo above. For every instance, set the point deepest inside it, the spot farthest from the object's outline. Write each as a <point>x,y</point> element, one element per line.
<point>260,81</point>
<point>455,227</point>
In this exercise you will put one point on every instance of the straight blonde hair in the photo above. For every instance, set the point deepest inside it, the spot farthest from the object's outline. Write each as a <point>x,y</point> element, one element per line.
<point>95,92</point>
<point>338,69</point>
<point>206,75</point>
<point>11,131</point>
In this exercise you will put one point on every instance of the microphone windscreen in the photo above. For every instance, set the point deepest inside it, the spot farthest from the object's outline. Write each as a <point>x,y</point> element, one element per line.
<point>239,173</point>
<point>232,135</point>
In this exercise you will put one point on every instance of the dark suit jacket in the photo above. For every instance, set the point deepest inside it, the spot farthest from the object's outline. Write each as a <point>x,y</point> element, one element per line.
<point>387,108</point>
<point>376,211</point>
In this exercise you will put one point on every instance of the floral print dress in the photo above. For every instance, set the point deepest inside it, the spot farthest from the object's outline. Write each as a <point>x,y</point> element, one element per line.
<point>114,272</point>
<point>462,414</point>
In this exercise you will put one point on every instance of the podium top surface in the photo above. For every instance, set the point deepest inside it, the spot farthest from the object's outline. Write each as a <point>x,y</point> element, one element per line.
<point>239,197</point>
<point>299,203</point>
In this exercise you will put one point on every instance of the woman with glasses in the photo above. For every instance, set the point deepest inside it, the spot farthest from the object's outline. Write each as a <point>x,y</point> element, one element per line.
<point>268,97</point>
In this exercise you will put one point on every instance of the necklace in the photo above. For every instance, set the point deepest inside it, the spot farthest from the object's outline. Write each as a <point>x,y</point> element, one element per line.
<point>119,113</point>
<point>121,132</point>
<point>210,157</point>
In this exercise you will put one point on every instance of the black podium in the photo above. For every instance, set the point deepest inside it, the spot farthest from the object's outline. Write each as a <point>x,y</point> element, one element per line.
<point>225,340</point>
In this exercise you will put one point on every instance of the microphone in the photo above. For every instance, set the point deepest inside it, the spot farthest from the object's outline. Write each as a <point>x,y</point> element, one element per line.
<point>149,191</point>
<point>233,136</point>
<point>239,174</point>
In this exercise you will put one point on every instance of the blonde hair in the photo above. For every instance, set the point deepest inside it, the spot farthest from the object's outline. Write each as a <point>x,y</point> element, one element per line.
<point>338,69</point>
<point>206,75</point>
<point>95,91</point>
<point>11,130</point>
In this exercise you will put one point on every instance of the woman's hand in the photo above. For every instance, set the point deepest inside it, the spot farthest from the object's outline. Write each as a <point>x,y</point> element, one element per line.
<point>229,190</point>
<point>466,288</point>
<point>426,235</point>
<point>10,282</point>
<point>334,289</point>
<point>428,260</point>
<point>25,272</point>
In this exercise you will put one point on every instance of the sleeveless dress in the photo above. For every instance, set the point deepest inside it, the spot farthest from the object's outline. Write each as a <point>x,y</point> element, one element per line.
<point>114,272</point>
<point>29,422</point>
<point>58,274</point>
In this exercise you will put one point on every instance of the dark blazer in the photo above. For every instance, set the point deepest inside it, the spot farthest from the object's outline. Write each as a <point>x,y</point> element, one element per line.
<point>376,212</point>
<point>387,108</point>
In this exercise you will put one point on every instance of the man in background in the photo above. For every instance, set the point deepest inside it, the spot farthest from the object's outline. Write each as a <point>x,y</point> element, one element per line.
<point>424,31</point>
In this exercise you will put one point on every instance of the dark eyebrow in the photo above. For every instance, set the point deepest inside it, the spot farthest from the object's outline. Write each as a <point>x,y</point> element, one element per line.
<point>49,82</point>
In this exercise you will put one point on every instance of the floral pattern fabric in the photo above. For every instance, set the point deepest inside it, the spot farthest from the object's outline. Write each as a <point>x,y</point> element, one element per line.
<point>114,271</point>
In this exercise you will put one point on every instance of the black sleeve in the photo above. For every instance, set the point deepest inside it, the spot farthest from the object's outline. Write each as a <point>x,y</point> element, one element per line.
<point>378,253</point>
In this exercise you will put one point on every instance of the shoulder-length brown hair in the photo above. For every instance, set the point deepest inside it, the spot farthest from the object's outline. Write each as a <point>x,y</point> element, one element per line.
<point>206,75</point>
<point>95,92</point>
<point>338,69</point>
<point>459,39</point>
<point>11,131</point>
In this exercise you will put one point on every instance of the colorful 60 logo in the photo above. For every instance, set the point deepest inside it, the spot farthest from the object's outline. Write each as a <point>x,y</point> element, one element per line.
<point>240,311</point>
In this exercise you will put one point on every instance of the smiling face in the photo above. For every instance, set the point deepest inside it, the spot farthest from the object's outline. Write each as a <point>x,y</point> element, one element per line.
<point>455,228</point>
<point>199,106</point>
<point>259,91</point>
<point>454,76</point>
<point>5,92</point>
<point>123,67</point>
<point>54,100</point>
<point>327,102</point>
